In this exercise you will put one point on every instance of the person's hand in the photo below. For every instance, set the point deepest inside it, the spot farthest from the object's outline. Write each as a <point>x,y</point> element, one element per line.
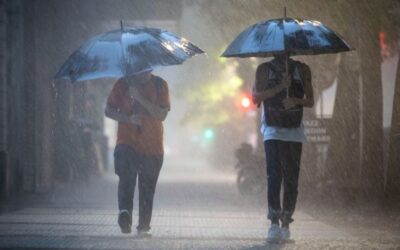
<point>286,80</point>
<point>289,103</point>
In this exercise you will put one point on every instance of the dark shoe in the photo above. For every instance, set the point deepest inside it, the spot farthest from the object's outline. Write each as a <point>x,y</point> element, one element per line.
<point>125,221</point>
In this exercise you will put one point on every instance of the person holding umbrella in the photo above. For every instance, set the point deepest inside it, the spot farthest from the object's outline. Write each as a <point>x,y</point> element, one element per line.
<point>283,97</point>
<point>283,86</point>
<point>139,102</point>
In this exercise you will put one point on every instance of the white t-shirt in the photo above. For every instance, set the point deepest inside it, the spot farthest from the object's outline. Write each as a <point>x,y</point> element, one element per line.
<point>282,134</point>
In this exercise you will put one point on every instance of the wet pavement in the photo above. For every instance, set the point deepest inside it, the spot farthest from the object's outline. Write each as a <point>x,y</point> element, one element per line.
<point>196,207</point>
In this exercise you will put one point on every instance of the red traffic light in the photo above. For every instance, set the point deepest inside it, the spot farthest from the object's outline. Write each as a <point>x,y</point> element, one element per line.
<point>245,102</point>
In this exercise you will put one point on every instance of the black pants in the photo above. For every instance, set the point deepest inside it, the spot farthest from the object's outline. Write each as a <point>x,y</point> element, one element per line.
<point>130,165</point>
<point>283,163</point>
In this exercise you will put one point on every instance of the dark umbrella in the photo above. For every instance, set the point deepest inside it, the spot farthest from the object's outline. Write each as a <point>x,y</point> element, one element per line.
<point>126,51</point>
<point>286,35</point>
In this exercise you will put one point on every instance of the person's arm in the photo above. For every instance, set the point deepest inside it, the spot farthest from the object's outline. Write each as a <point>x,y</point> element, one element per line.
<point>308,100</point>
<point>155,110</point>
<point>261,78</point>
<point>118,107</point>
<point>115,114</point>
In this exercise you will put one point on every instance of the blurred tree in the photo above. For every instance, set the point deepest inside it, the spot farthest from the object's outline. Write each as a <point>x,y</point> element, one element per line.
<point>371,130</point>
<point>390,47</point>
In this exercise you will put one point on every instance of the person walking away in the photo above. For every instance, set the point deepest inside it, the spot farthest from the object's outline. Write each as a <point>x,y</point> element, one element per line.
<point>139,103</point>
<point>283,96</point>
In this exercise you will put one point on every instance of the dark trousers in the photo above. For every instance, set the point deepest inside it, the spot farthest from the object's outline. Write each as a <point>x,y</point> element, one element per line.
<point>130,165</point>
<point>283,164</point>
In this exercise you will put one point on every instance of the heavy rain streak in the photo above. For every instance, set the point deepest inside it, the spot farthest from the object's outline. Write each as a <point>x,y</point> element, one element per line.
<point>199,124</point>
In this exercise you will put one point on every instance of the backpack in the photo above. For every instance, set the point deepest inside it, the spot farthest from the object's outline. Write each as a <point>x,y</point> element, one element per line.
<point>274,112</point>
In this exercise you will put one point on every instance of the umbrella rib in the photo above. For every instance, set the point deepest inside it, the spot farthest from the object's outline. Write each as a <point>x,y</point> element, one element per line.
<point>324,30</point>
<point>92,43</point>
<point>306,38</point>
<point>264,40</point>
<point>86,52</point>
<point>168,52</point>
<point>274,34</point>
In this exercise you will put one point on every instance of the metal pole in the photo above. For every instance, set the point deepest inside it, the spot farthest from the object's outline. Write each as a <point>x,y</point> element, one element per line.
<point>3,83</point>
<point>3,103</point>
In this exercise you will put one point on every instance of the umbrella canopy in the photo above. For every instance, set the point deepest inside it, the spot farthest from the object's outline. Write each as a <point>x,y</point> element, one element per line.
<point>126,51</point>
<point>286,35</point>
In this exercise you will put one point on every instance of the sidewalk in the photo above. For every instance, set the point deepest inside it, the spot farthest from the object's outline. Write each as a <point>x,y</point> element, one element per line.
<point>196,207</point>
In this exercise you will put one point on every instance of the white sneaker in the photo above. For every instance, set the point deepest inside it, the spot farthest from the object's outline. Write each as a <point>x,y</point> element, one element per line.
<point>285,234</point>
<point>274,234</point>
<point>144,234</point>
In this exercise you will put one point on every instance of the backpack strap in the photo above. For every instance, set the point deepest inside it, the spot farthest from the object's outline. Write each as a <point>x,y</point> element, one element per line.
<point>270,67</point>
<point>302,68</point>
<point>159,86</point>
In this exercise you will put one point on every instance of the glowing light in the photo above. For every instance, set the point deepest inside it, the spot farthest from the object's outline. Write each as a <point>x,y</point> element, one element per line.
<point>235,81</point>
<point>221,60</point>
<point>316,23</point>
<point>168,46</point>
<point>209,134</point>
<point>183,44</point>
<point>301,23</point>
<point>245,102</point>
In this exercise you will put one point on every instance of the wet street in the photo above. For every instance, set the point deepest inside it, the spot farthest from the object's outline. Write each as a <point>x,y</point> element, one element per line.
<point>196,207</point>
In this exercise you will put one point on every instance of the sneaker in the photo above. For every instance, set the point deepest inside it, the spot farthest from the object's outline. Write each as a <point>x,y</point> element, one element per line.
<point>285,234</point>
<point>125,221</point>
<point>274,234</point>
<point>144,233</point>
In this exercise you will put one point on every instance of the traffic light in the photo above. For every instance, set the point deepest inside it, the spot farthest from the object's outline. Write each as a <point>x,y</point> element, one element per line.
<point>244,102</point>
<point>208,134</point>
<point>208,138</point>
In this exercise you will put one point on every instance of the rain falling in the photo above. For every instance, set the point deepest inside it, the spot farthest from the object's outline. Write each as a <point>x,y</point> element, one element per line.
<point>199,124</point>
